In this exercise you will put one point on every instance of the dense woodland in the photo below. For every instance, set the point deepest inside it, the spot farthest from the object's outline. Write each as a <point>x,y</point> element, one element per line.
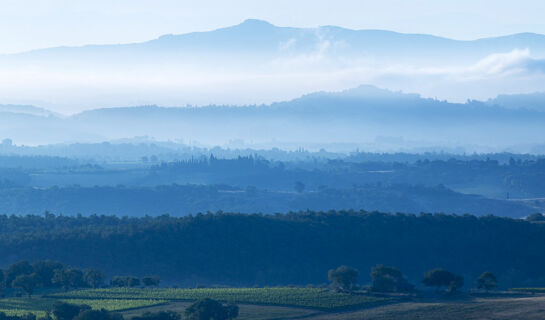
<point>517,175</point>
<point>248,184</point>
<point>182,200</point>
<point>295,248</point>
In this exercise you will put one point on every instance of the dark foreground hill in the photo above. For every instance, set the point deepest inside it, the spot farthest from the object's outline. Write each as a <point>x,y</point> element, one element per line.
<point>298,248</point>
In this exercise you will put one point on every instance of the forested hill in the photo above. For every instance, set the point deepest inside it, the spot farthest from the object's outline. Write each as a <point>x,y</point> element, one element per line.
<point>297,248</point>
<point>357,117</point>
<point>180,200</point>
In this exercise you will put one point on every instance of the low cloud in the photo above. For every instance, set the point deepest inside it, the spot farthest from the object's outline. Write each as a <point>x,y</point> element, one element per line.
<point>72,89</point>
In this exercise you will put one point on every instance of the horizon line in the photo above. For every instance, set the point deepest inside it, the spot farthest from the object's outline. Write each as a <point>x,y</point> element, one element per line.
<point>253,20</point>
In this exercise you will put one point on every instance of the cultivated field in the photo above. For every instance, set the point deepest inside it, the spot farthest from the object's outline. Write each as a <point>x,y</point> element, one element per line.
<point>296,303</point>
<point>321,299</point>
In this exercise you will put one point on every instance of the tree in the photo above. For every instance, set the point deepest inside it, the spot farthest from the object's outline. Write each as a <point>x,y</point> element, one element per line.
<point>232,311</point>
<point>162,315</point>
<point>68,278</point>
<point>299,187</point>
<point>456,284</point>
<point>27,282</point>
<point>126,281</point>
<point>45,270</point>
<point>343,278</point>
<point>487,280</point>
<point>208,309</point>
<point>67,311</point>
<point>442,278</point>
<point>151,281</point>
<point>389,279</point>
<point>98,315</point>
<point>133,282</point>
<point>118,281</point>
<point>2,282</point>
<point>94,277</point>
<point>17,269</point>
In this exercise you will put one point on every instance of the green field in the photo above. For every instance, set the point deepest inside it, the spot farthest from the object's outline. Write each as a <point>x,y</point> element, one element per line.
<point>297,297</point>
<point>22,306</point>
<point>39,306</point>
<point>297,303</point>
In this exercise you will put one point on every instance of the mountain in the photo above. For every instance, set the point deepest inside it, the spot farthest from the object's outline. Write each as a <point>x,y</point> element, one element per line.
<point>357,117</point>
<point>531,101</point>
<point>26,109</point>
<point>255,38</point>
<point>256,62</point>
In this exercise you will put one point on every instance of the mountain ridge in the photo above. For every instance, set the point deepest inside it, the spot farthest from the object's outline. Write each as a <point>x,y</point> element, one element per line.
<point>364,92</point>
<point>262,25</point>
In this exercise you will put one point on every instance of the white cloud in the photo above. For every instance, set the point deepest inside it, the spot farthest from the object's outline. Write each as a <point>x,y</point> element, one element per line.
<point>70,90</point>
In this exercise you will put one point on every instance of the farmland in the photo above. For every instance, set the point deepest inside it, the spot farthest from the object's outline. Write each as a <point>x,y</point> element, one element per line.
<point>40,305</point>
<point>293,303</point>
<point>256,303</point>
<point>321,299</point>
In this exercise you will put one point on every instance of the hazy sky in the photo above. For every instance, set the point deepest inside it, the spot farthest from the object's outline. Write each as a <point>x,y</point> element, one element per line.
<point>31,24</point>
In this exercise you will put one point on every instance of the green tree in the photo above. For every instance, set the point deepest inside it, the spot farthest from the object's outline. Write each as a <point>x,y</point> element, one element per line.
<point>118,281</point>
<point>456,284</point>
<point>232,311</point>
<point>94,278</point>
<point>208,309</point>
<point>162,315</point>
<point>487,280</point>
<point>151,281</point>
<point>2,282</point>
<point>68,278</point>
<point>45,270</point>
<point>98,315</point>
<point>17,269</point>
<point>68,311</point>
<point>389,279</point>
<point>27,282</point>
<point>442,278</point>
<point>344,278</point>
<point>124,281</point>
<point>133,282</point>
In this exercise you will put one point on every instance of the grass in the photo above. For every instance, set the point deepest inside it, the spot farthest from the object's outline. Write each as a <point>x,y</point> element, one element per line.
<point>116,304</point>
<point>297,297</point>
<point>39,306</point>
<point>23,306</point>
<point>246,311</point>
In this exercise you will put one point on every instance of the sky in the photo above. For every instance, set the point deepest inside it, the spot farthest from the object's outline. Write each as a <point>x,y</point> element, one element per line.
<point>33,24</point>
<point>70,86</point>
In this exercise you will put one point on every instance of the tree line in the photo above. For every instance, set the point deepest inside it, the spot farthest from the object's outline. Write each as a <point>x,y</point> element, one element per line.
<point>285,249</point>
<point>203,309</point>
<point>390,279</point>
<point>53,274</point>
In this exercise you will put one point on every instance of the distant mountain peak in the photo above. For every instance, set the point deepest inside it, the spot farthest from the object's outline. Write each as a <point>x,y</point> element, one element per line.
<point>256,23</point>
<point>26,109</point>
<point>363,91</point>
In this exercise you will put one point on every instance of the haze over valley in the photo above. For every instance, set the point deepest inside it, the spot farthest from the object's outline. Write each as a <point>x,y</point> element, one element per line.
<point>256,62</point>
<point>353,160</point>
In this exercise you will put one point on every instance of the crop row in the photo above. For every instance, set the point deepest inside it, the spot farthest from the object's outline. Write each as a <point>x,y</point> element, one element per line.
<point>39,306</point>
<point>301,297</point>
